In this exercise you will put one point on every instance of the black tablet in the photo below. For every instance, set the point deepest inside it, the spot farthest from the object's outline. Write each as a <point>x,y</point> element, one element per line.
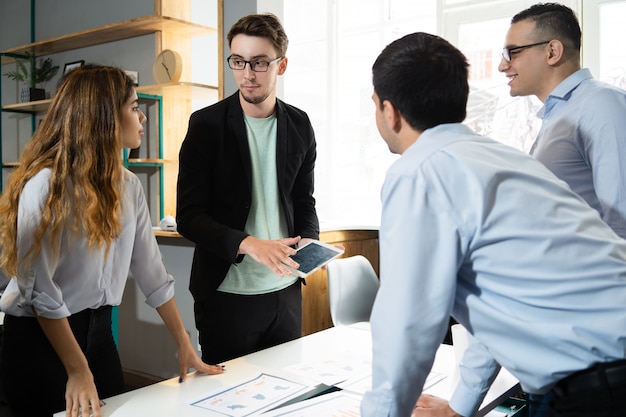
<point>313,256</point>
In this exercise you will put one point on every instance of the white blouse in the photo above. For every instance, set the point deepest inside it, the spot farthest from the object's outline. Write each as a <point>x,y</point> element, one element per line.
<point>80,278</point>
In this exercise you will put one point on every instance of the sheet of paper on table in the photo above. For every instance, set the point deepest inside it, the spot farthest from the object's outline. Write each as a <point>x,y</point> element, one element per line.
<point>336,404</point>
<point>348,370</point>
<point>252,396</point>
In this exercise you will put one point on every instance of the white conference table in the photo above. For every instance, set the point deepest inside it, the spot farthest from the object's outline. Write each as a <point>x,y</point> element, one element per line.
<point>171,398</point>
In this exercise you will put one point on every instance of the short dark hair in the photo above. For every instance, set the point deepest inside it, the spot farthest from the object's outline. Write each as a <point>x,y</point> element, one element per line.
<point>553,21</point>
<point>264,25</point>
<point>425,78</point>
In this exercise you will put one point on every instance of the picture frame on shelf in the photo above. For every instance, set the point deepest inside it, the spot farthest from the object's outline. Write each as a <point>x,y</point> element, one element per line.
<point>73,65</point>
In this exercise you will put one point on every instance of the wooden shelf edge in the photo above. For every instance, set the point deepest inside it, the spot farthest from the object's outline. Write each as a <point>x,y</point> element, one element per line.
<point>190,89</point>
<point>28,107</point>
<point>132,162</point>
<point>177,84</point>
<point>109,33</point>
<point>139,161</point>
<point>163,233</point>
<point>41,106</point>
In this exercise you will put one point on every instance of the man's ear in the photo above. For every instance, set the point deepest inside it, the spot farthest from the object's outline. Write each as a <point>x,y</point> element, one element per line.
<point>556,52</point>
<point>392,116</point>
<point>282,66</point>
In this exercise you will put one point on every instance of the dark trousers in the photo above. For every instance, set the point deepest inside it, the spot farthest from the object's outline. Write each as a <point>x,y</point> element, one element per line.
<point>2,396</point>
<point>33,376</point>
<point>599,391</point>
<point>232,325</point>
<point>538,404</point>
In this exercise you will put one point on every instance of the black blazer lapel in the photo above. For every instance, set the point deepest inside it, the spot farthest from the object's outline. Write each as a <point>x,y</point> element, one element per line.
<point>238,127</point>
<point>281,146</point>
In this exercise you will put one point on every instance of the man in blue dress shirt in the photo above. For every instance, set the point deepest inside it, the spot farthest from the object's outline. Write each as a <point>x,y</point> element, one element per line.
<point>583,132</point>
<point>478,230</point>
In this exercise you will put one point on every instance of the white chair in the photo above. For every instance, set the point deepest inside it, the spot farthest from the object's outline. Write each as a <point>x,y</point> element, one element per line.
<point>352,288</point>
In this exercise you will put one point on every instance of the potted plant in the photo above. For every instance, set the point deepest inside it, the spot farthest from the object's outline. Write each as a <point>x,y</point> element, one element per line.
<point>37,72</point>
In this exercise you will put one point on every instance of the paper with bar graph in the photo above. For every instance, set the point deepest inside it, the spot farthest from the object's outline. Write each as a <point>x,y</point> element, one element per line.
<point>251,396</point>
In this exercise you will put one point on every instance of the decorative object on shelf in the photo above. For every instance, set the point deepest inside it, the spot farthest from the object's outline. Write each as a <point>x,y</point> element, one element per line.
<point>168,223</point>
<point>28,94</point>
<point>39,71</point>
<point>73,65</point>
<point>168,67</point>
<point>134,75</point>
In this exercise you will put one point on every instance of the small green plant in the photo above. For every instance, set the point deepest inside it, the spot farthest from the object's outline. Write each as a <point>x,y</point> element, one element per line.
<point>43,70</point>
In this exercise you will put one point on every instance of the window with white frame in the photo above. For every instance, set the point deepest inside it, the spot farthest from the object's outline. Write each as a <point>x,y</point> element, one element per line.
<point>603,34</point>
<point>333,44</point>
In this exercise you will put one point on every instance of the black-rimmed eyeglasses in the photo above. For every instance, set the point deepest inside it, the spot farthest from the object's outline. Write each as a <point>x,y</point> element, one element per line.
<point>506,52</point>
<point>239,64</point>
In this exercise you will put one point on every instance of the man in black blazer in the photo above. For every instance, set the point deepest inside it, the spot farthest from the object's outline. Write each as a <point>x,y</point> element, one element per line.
<point>245,198</point>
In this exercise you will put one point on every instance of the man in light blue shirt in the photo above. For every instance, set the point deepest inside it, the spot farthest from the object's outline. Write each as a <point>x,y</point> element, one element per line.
<point>583,132</point>
<point>483,232</point>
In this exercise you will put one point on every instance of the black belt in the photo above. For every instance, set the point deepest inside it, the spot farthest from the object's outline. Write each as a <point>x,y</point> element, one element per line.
<point>601,376</point>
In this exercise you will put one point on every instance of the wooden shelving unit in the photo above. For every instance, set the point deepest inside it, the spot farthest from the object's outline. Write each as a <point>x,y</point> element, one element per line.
<point>170,32</point>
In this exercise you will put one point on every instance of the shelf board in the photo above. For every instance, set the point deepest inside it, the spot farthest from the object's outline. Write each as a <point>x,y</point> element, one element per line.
<point>187,90</point>
<point>29,107</point>
<point>147,161</point>
<point>164,233</point>
<point>109,33</point>
<point>131,162</point>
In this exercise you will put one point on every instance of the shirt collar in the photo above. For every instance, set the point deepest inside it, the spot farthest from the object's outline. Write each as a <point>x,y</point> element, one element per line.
<point>570,83</point>
<point>563,91</point>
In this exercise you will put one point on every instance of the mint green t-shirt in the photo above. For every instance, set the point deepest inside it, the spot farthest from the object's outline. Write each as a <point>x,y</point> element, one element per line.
<point>266,219</point>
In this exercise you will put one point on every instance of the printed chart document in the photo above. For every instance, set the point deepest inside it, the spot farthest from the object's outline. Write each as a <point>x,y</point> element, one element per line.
<point>362,385</point>
<point>252,396</point>
<point>336,404</point>
<point>349,371</point>
<point>332,371</point>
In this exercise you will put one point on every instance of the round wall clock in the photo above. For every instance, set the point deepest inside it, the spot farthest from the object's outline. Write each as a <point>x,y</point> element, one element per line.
<point>168,67</point>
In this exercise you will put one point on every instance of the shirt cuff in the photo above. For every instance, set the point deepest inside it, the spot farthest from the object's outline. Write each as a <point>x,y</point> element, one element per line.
<point>163,294</point>
<point>465,402</point>
<point>47,307</point>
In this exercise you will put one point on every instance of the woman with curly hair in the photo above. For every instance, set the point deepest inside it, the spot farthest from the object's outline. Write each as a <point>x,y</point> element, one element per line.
<point>73,224</point>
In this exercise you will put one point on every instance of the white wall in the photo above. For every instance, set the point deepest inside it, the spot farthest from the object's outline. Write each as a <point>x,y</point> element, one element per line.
<point>233,11</point>
<point>145,344</point>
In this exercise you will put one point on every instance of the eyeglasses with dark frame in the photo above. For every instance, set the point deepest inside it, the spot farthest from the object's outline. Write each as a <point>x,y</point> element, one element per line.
<point>506,52</point>
<point>239,64</point>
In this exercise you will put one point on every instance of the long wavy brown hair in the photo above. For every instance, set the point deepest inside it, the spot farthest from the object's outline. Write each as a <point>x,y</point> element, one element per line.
<point>80,141</point>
